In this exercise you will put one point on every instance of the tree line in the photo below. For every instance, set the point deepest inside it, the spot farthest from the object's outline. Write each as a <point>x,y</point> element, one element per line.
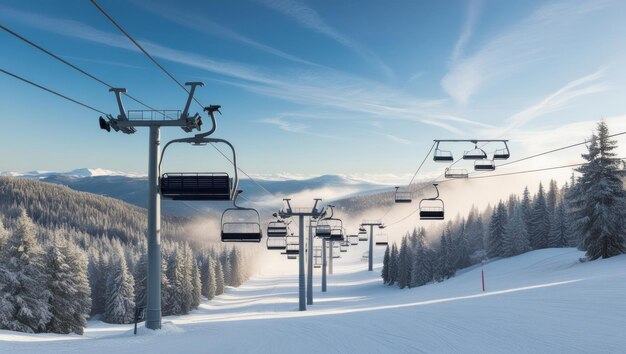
<point>588,212</point>
<point>54,276</point>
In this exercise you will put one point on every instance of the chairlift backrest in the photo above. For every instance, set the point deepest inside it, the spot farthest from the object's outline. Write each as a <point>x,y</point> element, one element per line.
<point>485,165</point>
<point>502,154</point>
<point>402,195</point>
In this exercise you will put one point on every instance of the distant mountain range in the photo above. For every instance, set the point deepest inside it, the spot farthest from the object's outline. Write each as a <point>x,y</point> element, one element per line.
<point>132,188</point>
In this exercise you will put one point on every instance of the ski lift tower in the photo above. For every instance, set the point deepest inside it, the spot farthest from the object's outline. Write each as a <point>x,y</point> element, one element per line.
<point>127,122</point>
<point>301,213</point>
<point>371,224</point>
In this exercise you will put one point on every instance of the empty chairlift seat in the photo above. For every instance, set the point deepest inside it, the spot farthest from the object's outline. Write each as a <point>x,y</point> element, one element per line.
<point>293,246</point>
<point>381,239</point>
<point>353,239</point>
<point>432,208</point>
<point>277,229</point>
<point>485,165</point>
<point>442,155</point>
<point>336,234</point>
<point>502,154</point>
<point>198,185</point>
<point>343,246</point>
<point>455,173</point>
<point>475,154</point>
<point>276,243</point>
<point>241,224</point>
<point>362,234</point>
<point>402,195</point>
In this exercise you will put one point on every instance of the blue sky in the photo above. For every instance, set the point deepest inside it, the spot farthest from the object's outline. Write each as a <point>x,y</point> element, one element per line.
<point>315,87</point>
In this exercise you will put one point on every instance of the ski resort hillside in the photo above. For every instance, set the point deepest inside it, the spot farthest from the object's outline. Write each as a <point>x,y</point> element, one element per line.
<point>542,301</point>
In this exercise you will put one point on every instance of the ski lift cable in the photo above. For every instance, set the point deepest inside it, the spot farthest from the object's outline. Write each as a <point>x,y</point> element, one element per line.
<point>175,80</point>
<point>52,91</point>
<point>31,43</point>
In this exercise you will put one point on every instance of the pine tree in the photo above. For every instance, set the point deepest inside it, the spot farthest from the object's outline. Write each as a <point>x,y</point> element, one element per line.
<point>141,280</point>
<point>226,269</point>
<point>551,196</point>
<point>211,278</point>
<point>422,266</point>
<point>393,265</point>
<point>385,271</point>
<point>4,235</point>
<point>98,276</point>
<point>70,301</point>
<point>120,299</point>
<point>166,290</point>
<point>515,237</point>
<point>23,282</point>
<point>176,279</point>
<point>526,208</point>
<point>219,278</point>
<point>559,232</point>
<point>404,264</point>
<point>497,228</point>
<point>539,221</point>
<point>236,267</point>
<point>197,285</point>
<point>602,199</point>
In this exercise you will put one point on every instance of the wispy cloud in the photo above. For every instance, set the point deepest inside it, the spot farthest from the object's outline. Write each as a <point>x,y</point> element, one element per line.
<point>286,125</point>
<point>201,24</point>
<point>314,88</point>
<point>394,138</point>
<point>468,29</point>
<point>558,100</point>
<point>526,42</point>
<point>309,18</point>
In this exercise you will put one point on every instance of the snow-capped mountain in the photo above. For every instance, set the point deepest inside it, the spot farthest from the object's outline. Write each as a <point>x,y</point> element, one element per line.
<point>78,173</point>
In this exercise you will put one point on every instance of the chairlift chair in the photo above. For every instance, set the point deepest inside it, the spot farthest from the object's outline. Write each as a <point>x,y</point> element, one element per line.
<point>293,245</point>
<point>317,262</point>
<point>277,228</point>
<point>402,195</point>
<point>432,208</point>
<point>343,246</point>
<point>502,154</point>
<point>362,234</point>
<point>381,239</point>
<point>442,155</point>
<point>353,239</point>
<point>475,154</point>
<point>276,243</point>
<point>336,234</point>
<point>484,165</point>
<point>456,173</point>
<point>323,229</point>
<point>199,185</point>
<point>241,224</point>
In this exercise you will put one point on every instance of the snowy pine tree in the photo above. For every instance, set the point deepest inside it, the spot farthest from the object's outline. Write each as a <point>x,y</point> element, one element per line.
<point>70,300</point>
<point>210,280</point>
<point>602,200</point>
<point>497,229</point>
<point>219,278</point>
<point>559,231</point>
<point>196,283</point>
<point>393,265</point>
<point>385,272</point>
<point>515,236</point>
<point>120,298</point>
<point>539,228</point>
<point>141,280</point>
<point>23,281</point>
<point>404,264</point>
<point>236,267</point>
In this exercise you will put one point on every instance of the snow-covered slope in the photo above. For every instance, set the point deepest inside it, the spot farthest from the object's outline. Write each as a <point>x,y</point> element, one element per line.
<point>542,301</point>
<point>77,173</point>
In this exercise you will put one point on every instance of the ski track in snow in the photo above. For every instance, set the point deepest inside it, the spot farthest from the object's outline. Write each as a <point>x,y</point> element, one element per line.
<point>543,302</point>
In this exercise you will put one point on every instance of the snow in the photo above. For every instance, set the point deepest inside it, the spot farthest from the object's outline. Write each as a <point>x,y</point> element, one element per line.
<point>541,301</point>
<point>77,173</point>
